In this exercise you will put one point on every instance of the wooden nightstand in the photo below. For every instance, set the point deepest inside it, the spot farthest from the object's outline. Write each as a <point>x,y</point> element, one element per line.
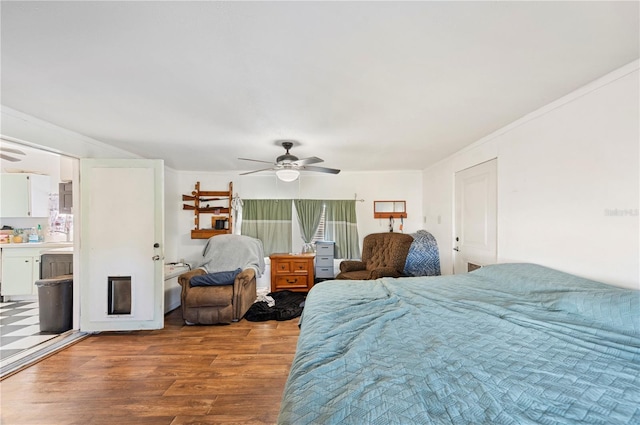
<point>293,272</point>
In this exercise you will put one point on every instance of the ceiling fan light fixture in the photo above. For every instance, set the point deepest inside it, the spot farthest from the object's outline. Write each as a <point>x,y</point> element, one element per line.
<point>287,165</point>
<point>287,175</point>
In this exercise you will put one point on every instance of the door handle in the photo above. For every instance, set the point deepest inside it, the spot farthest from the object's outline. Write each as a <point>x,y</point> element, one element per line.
<point>456,249</point>
<point>156,258</point>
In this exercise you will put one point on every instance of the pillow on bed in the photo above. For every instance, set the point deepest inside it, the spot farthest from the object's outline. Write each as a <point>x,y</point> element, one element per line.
<point>215,279</point>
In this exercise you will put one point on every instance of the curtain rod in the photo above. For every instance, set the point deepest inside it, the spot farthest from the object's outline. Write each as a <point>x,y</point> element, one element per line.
<point>284,199</point>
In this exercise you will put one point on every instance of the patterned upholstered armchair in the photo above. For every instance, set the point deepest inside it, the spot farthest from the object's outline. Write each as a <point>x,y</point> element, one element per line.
<point>383,255</point>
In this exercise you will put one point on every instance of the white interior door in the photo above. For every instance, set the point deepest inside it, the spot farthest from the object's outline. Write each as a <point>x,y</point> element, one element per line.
<point>475,230</point>
<point>121,244</point>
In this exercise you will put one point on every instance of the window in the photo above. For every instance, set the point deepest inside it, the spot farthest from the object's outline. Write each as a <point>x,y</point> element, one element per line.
<point>319,220</point>
<point>320,232</point>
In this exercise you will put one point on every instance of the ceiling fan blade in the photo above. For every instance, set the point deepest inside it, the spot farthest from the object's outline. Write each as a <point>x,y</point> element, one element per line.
<point>256,160</point>
<point>305,161</point>
<point>320,169</point>
<point>9,158</point>
<point>12,150</point>
<point>256,171</point>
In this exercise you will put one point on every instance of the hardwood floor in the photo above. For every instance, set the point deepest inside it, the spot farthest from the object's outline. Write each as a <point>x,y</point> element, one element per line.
<point>232,374</point>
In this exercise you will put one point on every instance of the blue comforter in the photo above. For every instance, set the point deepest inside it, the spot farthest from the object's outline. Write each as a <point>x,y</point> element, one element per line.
<point>505,344</point>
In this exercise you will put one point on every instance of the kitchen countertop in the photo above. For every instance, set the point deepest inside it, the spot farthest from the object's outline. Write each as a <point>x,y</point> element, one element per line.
<point>61,250</point>
<point>37,245</point>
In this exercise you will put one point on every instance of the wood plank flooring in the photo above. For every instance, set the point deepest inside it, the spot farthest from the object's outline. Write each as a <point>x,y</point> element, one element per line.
<point>232,374</point>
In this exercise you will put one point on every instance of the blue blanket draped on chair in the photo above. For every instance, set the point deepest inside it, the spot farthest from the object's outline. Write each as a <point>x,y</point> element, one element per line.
<point>423,258</point>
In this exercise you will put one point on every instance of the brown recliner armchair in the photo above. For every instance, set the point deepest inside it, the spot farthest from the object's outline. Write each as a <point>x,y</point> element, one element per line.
<point>383,255</point>
<point>223,303</point>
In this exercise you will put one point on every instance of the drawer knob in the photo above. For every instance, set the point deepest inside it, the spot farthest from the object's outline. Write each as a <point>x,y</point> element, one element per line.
<point>292,281</point>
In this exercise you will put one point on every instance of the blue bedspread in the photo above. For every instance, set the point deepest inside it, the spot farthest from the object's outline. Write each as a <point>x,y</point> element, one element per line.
<point>505,344</point>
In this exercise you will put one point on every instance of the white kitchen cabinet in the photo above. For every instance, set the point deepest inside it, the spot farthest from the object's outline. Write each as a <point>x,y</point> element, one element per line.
<point>21,265</point>
<point>20,270</point>
<point>24,195</point>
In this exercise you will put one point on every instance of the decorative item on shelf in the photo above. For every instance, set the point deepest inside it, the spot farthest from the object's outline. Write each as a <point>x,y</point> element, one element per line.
<point>209,202</point>
<point>220,223</point>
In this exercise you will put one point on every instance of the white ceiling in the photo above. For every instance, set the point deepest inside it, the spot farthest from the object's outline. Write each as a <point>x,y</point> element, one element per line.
<point>363,85</point>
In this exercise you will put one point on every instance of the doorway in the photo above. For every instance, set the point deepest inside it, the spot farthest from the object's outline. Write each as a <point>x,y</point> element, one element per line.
<point>20,335</point>
<point>475,227</point>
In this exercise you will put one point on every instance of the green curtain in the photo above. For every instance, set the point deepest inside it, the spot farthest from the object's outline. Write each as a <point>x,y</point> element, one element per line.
<point>341,227</point>
<point>270,221</point>
<point>309,213</point>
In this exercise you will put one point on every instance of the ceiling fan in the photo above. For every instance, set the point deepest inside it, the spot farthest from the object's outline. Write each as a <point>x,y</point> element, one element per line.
<point>287,166</point>
<point>10,154</point>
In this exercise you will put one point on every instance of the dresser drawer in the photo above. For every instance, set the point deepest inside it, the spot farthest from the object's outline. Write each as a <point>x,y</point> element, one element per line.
<point>291,266</point>
<point>292,282</point>
<point>281,267</point>
<point>324,249</point>
<point>300,266</point>
<point>324,261</point>
<point>324,272</point>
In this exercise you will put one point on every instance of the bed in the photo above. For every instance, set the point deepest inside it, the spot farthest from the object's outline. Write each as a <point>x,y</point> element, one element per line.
<point>505,344</point>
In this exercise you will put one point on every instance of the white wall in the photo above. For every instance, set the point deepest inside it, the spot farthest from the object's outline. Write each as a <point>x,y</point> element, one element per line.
<point>563,172</point>
<point>437,206</point>
<point>172,213</point>
<point>370,186</point>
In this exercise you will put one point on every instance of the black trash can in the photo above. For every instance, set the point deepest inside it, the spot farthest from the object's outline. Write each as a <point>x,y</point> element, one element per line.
<point>55,299</point>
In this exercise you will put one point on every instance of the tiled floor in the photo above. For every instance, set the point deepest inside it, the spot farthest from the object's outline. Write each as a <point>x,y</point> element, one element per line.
<point>19,328</point>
